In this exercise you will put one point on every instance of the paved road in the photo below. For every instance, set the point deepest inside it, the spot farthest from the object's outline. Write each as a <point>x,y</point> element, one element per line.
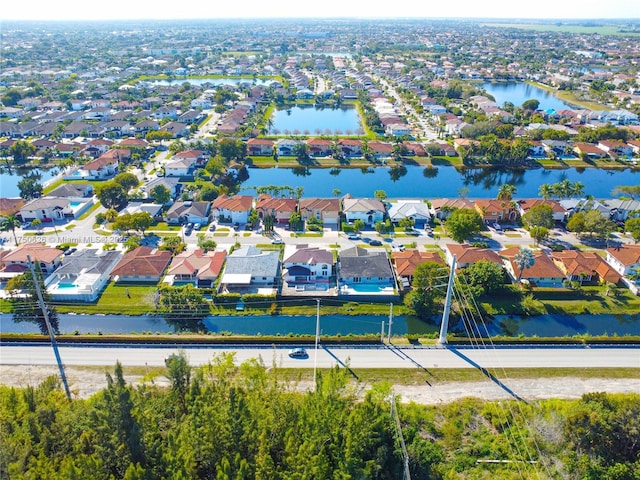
<point>329,356</point>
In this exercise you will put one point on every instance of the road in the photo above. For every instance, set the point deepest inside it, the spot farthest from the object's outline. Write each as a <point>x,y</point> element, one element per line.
<point>329,356</point>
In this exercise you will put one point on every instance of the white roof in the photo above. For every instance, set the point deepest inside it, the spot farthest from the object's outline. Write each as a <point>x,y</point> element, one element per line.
<point>236,278</point>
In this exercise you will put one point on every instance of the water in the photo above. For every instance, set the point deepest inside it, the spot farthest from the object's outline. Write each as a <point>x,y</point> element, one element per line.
<point>561,325</point>
<point>519,92</point>
<point>411,182</point>
<point>9,179</point>
<point>310,119</point>
<point>241,325</point>
<point>209,81</point>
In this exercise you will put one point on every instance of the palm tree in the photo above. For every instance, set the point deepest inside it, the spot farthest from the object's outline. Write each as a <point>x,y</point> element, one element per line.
<point>546,191</point>
<point>577,189</point>
<point>506,192</point>
<point>10,222</point>
<point>524,259</point>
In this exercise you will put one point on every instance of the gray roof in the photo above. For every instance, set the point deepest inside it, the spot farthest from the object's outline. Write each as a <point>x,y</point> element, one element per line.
<point>355,263</point>
<point>197,209</point>
<point>71,190</point>
<point>168,182</point>
<point>88,261</point>
<point>46,202</point>
<point>254,261</point>
<point>362,205</point>
<point>406,208</point>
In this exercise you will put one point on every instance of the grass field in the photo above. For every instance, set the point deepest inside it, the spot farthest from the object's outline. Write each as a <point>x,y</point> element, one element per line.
<point>566,28</point>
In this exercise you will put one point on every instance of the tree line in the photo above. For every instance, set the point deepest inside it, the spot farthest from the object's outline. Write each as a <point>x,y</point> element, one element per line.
<point>227,421</point>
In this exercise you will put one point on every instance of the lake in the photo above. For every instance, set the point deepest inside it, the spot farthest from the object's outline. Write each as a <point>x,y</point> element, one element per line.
<point>312,119</point>
<point>411,181</point>
<point>9,179</point>
<point>519,92</point>
<point>209,81</point>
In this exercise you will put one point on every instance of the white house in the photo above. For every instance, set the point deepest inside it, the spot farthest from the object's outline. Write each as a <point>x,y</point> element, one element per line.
<point>308,265</point>
<point>179,168</point>
<point>624,259</point>
<point>235,209</point>
<point>417,210</point>
<point>369,210</point>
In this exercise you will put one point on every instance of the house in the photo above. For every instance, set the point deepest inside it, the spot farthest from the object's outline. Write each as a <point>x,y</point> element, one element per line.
<point>327,210</point>
<point>560,213</point>
<point>616,148</point>
<point>493,210</point>
<point>625,259</point>
<point>381,150</point>
<point>198,156</point>
<point>588,150</point>
<point>198,267</point>
<point>441,208</point>
<point>280,209</point>
<point>235,209</point>
<point>249,269</point>
<point>82,276</point>
<point>369,210</point>
<point>153,209</point>
<point>286,146</point>
<point>308,265</point>
<point>406,262</point>
<point>260,147</point>
<point>176,129</point>
<point>467,255</point>
<point>46,209</point>
<point>183,212</point>
<point>320,147</point>
<point>536,149</point>
<point>350,147</point>
<point>622,210</point>
<point>543,273</point>
<point>104,167</point>
<point>183,167</point>
<point>72,190</point>
<point>416,210</point>
<point>170,183</point>
<point>10,206</point>
<point>359,270</point>
<point>142,264</point>
<point>15,262</point>
<point>98,146</point>
<point>584,267</point>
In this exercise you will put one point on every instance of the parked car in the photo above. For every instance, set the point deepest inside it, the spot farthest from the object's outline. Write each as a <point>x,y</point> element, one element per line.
<point>353,236</point>
<point>212,227</point>
<point>497,226</point>
<point>197,226</point>
<point>277,241</point>
<point>375,243</point>
<point>298,353</point>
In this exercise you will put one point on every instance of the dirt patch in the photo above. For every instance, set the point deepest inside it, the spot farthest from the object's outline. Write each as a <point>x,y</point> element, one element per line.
<point>85,382</point>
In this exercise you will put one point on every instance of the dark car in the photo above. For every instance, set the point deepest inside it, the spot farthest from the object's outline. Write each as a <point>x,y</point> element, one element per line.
<point>298,353</point>
<point>375,243</point>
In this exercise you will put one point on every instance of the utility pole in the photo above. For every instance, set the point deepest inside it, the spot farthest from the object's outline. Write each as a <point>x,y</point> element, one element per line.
<point>382,333</point>
<point>315,356</point>
<point>390,321</point>
<point>45,312</point>
<point>444,324</point>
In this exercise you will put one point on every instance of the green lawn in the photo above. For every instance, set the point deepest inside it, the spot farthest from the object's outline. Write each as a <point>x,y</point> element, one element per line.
<point>164,227</point>
<point>114,300</point>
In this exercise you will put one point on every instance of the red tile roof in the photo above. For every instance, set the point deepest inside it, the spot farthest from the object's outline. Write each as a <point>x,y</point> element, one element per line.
<point>142,261</point>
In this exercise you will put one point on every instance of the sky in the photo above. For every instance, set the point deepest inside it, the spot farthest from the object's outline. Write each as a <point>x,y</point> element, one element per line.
<point>163,9</point>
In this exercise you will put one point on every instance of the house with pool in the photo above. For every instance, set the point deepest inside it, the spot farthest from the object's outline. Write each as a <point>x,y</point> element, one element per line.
<point>365,273</point>
<point>82,276</point>
<point>49,209</point>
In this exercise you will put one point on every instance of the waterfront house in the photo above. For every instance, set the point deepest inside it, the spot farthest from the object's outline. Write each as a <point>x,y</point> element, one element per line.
<point>327,210</point>
<point>198,267</point>
<point>16,261</point>
<point>280,209</point>
<point>260,147</point>
<point>625,259</point>
<point>406,262</point>
<point>72,190</point>
<point>308,265</point>
<point>467,255</point>
<point>416,210</point>
<point>369,210</point>
<point>320,147</point>
<point>235,209</point>
<point>560,213</point>
<point>48,209</point>
<point>251,270</point>
<point>543,273</point>
<point>493,210</point>
<point>585,267</point>
<point>364,272</point>
<point>82,276</point>
<point>442,208</point>
<point>141,265</point>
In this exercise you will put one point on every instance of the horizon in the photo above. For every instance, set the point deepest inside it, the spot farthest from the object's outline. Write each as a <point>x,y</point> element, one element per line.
<point>547,10</point>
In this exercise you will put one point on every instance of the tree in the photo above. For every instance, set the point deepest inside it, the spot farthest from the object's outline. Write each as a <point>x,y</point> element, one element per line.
<point>595,223</point>
<point>464,223</point>
<point>632,225</point>
<point>539,216</point>
<point>539,234</point>
<point>10,222</point>
<point>206,244</point>
<point>407,223</point>
<point>506,192</point>
<point>484,277</point>
<point>24,299</point>
<point>11,97</point>
<point>576,223</point>
<point>184,307</point>
<point>160,194</point>
<point>21,150</point>
<point>523,259</point>
<point>126,180</point>
<point>546,191</point>
<point>111,214</point>
<point>380,195</point>
<point>426,294</point>
<point>532,104</point>
<point>632,191</point>
<point>111,195</point>
<point>358,225</point>
<point>132,242</point>
<point>141,221</point>
<point>29,188</point>
<point>172,243</point>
